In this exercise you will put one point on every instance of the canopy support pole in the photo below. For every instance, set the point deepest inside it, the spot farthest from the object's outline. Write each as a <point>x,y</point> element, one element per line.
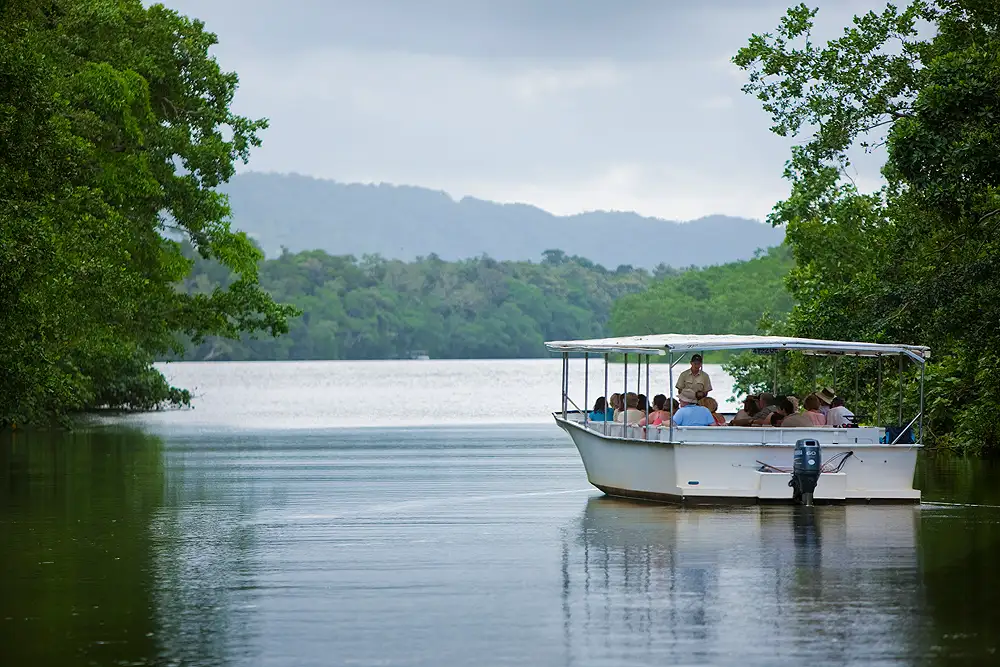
<point>638,374</point>
<point>646,430</point>
<point>586,388</point>
<point>878,399</point>
<point>922,366</point>
<point>774,381</point>
<point>606,355</point>
<point>670,360</point>
<point>836,362</point>
<point>857,381</point>
<point>625,400</point>
<point>565,387</point>
<point>900,389</point>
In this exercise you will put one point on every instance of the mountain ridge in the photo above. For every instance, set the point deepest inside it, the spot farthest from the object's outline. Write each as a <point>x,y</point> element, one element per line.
<point>300,212</point>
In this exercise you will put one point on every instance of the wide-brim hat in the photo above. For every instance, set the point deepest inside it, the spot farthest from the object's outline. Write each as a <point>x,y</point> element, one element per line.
<point>826,395</point>
<point>688,396</point>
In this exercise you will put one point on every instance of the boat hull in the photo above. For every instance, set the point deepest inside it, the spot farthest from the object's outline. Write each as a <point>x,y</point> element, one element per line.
<point>709,470</point>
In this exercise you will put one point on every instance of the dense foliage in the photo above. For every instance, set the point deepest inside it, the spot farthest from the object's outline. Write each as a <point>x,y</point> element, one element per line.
<point>918,260</point>
<point>375,308</point>
<point>114,126</point>
<point>729,298</point>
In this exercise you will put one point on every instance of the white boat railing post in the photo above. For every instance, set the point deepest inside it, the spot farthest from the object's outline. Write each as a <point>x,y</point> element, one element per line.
<point>606,355</point>
<point>565,387</point>
<point>670,362</point>
<point>586,388</point>
<point>923,364</point>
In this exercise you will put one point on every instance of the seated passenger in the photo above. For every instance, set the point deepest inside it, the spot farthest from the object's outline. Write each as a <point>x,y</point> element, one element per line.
<point>798,419</point>
<point>690,413</point>
<point>631,414</point>
<point>768,405</point>
<point>616,403</point>
<point>745,416</point>
<point>813,405</point>
<point>713,407</point>
<point>641,406</point>
<point>601,411</point>
<point>781,406</point>
<point>660,415</point>
<point>838,415</point>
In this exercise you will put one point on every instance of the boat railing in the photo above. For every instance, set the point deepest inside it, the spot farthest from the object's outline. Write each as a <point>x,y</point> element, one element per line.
<point>764,435</point>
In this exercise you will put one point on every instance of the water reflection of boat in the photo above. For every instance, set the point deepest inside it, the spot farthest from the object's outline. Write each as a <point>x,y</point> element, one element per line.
<point>694,585</point>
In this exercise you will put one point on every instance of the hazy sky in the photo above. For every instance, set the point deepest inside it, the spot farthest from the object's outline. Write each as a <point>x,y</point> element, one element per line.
<point>570,105</point>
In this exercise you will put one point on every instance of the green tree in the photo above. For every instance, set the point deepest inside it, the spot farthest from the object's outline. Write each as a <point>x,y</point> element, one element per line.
<point>917,260</point>
<point>115,130</point>
<point>730,298</point>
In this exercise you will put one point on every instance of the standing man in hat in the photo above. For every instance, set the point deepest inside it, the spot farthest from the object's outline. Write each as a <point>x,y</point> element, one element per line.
<point>695,379</point>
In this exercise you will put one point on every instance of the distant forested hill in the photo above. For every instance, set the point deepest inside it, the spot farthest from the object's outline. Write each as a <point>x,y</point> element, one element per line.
<point>402,222</point>
<point>376,308</point>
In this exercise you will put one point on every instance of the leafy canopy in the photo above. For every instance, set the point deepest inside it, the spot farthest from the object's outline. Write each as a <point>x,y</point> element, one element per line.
<point>916,260</point>
<point>115,128</point>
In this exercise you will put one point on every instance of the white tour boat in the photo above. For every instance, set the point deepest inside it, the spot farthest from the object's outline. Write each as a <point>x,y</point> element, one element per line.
<point>738,464</point>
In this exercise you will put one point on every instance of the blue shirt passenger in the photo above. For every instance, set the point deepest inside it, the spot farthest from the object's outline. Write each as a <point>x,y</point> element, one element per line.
<point>607,415</point>
<point>602,412</point>
<point>692,414</point>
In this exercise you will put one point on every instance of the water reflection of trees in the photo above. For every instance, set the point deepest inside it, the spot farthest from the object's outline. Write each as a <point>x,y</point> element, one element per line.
<point>833,583</point>
<point>76,563</point>
<point>113,554</point>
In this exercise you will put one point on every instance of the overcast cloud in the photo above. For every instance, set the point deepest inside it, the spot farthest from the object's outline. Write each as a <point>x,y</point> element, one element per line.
<point>570,105</point>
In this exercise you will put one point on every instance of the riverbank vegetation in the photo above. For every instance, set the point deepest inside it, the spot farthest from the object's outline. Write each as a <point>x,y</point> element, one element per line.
<point>376,308</point>
<point>115,128</point>
<point>916,260</point>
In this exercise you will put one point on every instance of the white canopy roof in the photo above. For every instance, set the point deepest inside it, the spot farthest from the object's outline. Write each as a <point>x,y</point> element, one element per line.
<point>660,343</point>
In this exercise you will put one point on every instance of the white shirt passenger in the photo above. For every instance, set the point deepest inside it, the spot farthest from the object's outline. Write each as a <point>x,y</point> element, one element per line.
<point>838,416</point>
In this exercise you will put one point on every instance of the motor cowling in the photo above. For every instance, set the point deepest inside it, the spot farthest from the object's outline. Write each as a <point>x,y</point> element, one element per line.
<point>806,466</point>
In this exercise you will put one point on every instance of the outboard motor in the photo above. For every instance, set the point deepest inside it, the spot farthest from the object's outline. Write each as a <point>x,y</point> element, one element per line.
<point>805,470</point>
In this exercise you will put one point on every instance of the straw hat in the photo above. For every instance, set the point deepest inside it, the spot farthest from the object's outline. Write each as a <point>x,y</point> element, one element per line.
<point>826,395</point>
<point>688,396</point>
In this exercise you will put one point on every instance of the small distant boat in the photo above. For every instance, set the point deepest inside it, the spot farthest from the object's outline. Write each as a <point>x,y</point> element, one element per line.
<point>738,464</point>
<point>419,355</point>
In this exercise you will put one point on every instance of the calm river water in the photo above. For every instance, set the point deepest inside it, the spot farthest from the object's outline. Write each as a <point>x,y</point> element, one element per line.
<point>428,513</point>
